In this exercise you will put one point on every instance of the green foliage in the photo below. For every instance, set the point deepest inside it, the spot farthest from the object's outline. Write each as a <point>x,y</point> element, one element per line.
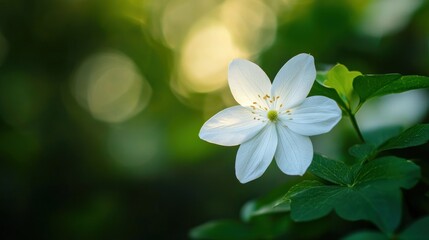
<point>414,136</point>
<point>331,170</point>
<point>369,192</point>
<point>302,186</point>
<point>341,79</point>
<point>342,85</point>
<point>388,172</point>
<point>388,138</point>
<point>369,86</point>
<point>336,84</point>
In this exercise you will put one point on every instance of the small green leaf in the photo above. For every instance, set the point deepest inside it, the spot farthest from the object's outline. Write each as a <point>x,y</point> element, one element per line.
<point>330,170</point>
<point>369,86</point>
<point>366,235</point>
<point>413,136</point>
<point>341,79</point>
<point>417,231</point>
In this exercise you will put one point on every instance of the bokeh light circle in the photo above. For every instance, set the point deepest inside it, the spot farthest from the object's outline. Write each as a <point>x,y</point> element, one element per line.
<point>110,87</point>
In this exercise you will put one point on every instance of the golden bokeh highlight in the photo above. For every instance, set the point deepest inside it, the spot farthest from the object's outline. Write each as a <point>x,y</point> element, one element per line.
<point>251,22</point>
<point>110,87</point>
<point>205,57</point>
<point>206,44</point>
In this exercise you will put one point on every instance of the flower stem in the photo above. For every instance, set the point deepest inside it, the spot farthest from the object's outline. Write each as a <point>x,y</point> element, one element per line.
<point>355,126</point>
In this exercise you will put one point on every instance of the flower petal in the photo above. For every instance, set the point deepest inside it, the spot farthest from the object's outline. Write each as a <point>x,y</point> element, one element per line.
<point>294,80</point>
<point>255,155</point>
<point>231,126</point>
<point>248,83</point>
<point>294,152</point>
<point>316,115</point>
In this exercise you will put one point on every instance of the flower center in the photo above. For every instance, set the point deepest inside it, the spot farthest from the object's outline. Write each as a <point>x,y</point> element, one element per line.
<point>272,115</point>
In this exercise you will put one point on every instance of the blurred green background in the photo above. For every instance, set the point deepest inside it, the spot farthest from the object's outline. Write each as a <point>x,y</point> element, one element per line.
<point>101,102</point>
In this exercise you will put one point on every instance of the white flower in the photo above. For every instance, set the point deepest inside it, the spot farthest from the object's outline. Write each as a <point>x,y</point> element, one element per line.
<point>272,120</point>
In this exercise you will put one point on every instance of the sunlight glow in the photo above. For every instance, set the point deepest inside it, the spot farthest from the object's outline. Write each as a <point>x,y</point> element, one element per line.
<point>205,58</point>
<point>251,23</point>
<point>206,44</point>
<point>109,86</point>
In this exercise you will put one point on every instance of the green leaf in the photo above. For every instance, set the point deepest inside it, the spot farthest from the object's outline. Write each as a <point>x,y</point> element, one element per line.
<point>341,79</point>
<point>413,136</point>
<point>330,170</point>
<point>299,188</point>
<point>362,151</point>
<point>382,207</point>
<point>319,90</point>
<point>373,193</point>
<point>315,202</point>
<point>369,86</point>
<point>417,231</point>
<point>390,138</point>
<point>366,235</point>
<point>373,139</point>
<point>389,172</point>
